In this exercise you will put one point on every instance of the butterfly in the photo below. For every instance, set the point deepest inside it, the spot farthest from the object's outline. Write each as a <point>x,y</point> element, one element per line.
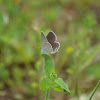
<point>48,43</point>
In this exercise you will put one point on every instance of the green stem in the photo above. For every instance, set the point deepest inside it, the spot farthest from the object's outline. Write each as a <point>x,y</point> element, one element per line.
<point>47,92</point>
<point>98,84</point>
<point>76,69</point>
<point>47,89</point>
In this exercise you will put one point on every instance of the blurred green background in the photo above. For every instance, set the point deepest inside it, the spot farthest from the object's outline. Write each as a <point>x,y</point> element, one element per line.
<point>77,26</point>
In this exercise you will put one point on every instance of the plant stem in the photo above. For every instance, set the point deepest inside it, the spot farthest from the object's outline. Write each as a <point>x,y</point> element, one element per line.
<point>47,92</point>
<point>76,68</point>
<point>47,89</point>
<point>98,84</point>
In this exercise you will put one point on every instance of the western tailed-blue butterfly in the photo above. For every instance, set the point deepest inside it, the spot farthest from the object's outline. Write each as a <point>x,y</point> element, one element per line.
<point>48,43</point>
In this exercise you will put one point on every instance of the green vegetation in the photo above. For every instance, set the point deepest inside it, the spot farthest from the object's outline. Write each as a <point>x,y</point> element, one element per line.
<point>50,79</point>
<point>77,26</point>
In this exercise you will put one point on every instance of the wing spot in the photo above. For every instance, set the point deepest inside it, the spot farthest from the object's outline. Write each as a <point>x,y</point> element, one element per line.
<point>50,49</point>
<point>55,49</point>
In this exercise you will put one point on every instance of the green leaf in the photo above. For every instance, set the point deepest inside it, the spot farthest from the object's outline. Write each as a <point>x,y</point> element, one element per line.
<point>43,84</point>
<point>56,87</point>
<point>62,84</point>
<point>53,76</point>
<point>50,82</point>
<point>49,65</point>
<point>53,84</point>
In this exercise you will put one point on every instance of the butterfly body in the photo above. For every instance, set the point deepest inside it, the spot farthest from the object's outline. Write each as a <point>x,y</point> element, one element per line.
<point>48,43</point>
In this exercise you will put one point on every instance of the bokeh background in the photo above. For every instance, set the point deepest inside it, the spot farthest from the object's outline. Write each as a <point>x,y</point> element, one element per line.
<point>77,26</point>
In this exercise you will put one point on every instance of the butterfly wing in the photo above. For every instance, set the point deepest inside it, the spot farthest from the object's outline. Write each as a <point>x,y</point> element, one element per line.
<point>51,37</point>
<point>45,46</point>
<point>55,46</point>
<point>43,39</point>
